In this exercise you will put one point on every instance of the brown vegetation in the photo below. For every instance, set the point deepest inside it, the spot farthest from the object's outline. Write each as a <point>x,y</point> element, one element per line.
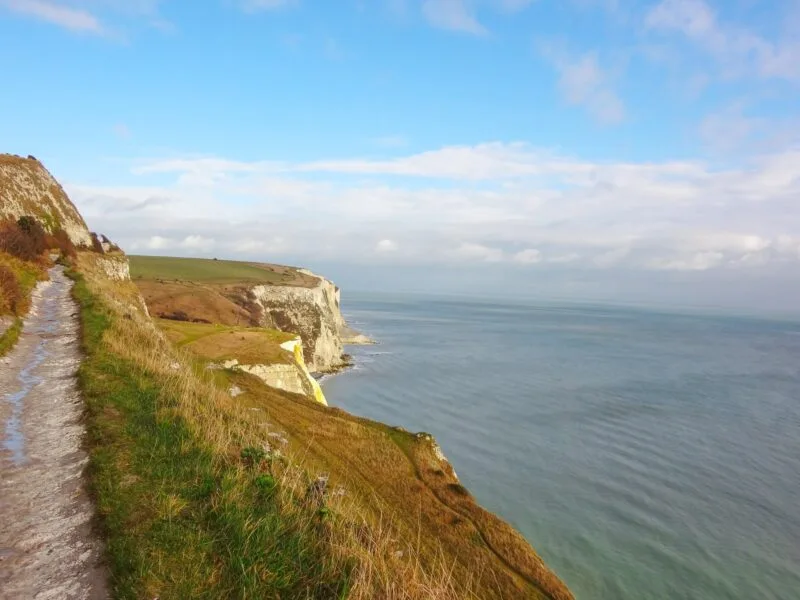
<point>24,248</point>
<point>192,302</point>
<point>11,295</point>
<point>27,245</point>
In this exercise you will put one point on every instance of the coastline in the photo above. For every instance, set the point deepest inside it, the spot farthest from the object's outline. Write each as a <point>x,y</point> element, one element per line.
<point>348,360</point>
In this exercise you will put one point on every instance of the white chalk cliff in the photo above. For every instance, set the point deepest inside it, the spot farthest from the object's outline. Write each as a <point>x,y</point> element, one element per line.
<point>28,189</point>
<point>314,314</point>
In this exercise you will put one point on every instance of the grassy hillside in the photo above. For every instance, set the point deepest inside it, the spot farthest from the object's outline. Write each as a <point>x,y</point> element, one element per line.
<point>207,290</point>
<point>212,342</point>
<point>207,496</point>
<point>210,271</point>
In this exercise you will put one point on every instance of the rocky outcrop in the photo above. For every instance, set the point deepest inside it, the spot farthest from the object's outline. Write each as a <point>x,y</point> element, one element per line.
<point>116,268</point>
<point>28,189</point>
<point>312,313</point>
<point>291,377</point>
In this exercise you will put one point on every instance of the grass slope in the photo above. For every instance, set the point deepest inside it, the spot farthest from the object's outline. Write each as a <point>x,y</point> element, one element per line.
<point>209,271</point>
<point>199,497</point>
<point>249,345</point>
<point>207,496</point>
<point>181,520</point>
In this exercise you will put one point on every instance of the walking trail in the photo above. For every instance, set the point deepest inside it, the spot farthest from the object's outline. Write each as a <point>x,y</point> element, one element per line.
<point>47,546</point>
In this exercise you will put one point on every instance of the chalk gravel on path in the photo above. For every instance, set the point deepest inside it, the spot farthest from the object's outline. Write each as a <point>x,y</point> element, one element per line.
<point>48,549</point>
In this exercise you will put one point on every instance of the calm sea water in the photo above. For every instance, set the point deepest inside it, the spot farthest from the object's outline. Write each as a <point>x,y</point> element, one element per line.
<point>646,456</point>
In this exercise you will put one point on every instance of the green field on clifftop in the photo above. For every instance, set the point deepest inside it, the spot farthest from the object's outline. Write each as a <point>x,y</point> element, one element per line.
<point>210,271</point>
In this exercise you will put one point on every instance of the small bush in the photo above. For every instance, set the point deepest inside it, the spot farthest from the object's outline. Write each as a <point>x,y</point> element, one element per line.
<point>61,240</point>
<point>266,484</point>
<point>252,456</point>
<point>11,295</point>
<point>16,242</point>
<point>34,230</point>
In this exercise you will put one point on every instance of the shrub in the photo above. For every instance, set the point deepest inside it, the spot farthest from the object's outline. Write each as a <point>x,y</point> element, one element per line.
<point>16,242</point>
<point>252,456</point>
<point>61,240</point>
<point>266,484</point>
<point>34,230</point>
<point>11,295</point>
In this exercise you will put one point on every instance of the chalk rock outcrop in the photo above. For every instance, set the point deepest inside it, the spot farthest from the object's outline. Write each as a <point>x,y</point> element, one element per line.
<point>28,189</point>
<point>312,313</point>
<point>116,268</point>
<point>291,377</point>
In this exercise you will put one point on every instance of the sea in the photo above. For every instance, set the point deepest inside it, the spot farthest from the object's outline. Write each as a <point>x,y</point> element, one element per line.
<point>646,455</point>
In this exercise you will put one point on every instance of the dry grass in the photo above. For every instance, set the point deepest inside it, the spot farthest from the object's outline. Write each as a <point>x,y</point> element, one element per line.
<point>249,345</point>
<point>17,280</point>
<point>197,302</point>
<point>395,524</point>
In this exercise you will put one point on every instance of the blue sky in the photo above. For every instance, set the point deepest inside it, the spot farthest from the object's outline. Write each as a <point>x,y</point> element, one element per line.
<point>627,150</point>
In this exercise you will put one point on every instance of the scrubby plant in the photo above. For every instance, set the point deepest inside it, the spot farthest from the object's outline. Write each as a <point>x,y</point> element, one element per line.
<point>252,456</point>
<point>27,240</point>
<point>11,295</point>
<point>60,240</point>
<point>34,230</point>
<point>16,242</point>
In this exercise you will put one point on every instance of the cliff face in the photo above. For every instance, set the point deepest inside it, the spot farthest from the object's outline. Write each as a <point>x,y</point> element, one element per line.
<point>311,312</point>
<point>290,377</point>
<point>27,188</point>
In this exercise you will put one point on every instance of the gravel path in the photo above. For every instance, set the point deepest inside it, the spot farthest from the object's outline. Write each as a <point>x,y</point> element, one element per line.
<point>47,546</point>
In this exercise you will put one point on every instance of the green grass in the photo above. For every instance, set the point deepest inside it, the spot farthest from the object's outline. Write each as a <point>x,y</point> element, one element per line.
<point>180,521</point>
<point>249,345</point>
<point>10,336</point>
<point>202,270</point>
<point>191,332</point>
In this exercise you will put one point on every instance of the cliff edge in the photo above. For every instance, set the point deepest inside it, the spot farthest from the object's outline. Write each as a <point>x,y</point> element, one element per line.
<point>235,293</point>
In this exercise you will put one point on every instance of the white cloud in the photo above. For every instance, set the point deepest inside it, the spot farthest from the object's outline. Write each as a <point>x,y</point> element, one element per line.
<point>611,258</point>
<point>472,252</point>
<point>530,256</point>
<point>583,82</point>
<point>739,50</point>
<point>455,15</point>
<point>385,246</point>
<point>489,203</point>
<point>461,15</point>
<point>197,242</point>
<point>701,261</point>
<point>157,242</point>
<point>68,17</point>
<point>94,17</point>
<point>736,127</point>
<point>564,258</point>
